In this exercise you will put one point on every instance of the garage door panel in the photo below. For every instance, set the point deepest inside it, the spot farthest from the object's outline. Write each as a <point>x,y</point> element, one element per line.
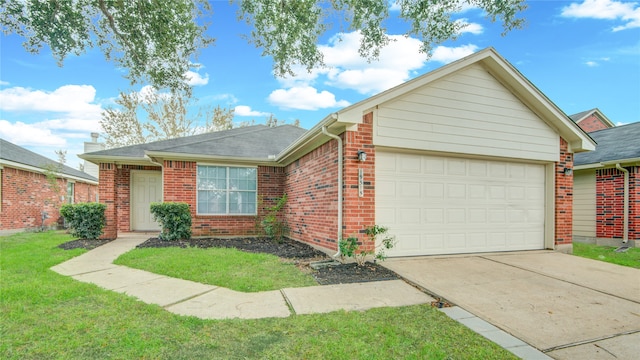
<point>449,205</point>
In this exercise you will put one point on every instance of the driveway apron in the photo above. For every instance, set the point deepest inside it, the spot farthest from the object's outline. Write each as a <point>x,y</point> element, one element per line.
<point>548,299</point>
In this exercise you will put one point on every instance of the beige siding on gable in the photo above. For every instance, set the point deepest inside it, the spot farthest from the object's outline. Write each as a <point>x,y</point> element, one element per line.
<point>468,112</point>
<point>584,203</point>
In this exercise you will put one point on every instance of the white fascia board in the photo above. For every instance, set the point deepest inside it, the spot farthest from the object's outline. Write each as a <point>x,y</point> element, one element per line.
<point>38,170</point>
<point>160,155</point>
<point>118,160</point>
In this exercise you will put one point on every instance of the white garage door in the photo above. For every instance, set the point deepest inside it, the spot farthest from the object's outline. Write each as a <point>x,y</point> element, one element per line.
<point>448,205</point>
<point>146,187</point>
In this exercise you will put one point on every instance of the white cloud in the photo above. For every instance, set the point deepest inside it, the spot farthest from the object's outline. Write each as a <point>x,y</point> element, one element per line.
<point>4,83</point>
<point>606,9</point>
<point>350,71</point>
<point>44,121</point>
<point>471,28</point>
<point>23,134</point>
<point>446,55</point>
<point>591,64</point>
<point>243,110</point>
<point>195,79</point>
<point>304,98</point>
<point>74,100</point>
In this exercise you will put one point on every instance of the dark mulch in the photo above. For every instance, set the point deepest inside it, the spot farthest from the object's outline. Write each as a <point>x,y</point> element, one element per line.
<point>352,273</point>
<point>286,248</point>
<point>301,253</point>
<point>83,244</point>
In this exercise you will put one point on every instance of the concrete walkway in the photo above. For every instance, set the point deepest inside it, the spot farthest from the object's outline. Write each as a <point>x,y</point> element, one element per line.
<point>185,297</point>
<point>566,306</point>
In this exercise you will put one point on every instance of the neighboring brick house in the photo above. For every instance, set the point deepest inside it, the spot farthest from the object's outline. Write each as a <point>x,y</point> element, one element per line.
<point>607,188</point>
<point>26,192</point>
<point>592,120</point>
<point>470,157</point>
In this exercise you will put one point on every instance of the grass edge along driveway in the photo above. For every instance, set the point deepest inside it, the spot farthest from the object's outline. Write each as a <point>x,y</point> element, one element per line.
<point>49,316</point>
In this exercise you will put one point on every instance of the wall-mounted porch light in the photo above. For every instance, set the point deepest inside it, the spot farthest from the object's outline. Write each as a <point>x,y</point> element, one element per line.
<point>362,156</point>
<point>568,171</point>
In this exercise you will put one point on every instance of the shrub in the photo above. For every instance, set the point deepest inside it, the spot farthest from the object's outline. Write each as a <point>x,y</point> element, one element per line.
<point>85,220</point>
<point>273,227</point>
<point>174,219</point>
<point>349,246</point>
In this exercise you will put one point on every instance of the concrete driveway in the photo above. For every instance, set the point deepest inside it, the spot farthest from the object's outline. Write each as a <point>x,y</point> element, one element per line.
<point>566,306</point>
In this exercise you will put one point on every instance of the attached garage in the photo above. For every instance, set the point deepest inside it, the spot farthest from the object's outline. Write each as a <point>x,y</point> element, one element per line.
<point>464,165</point>
<point>449,205</point>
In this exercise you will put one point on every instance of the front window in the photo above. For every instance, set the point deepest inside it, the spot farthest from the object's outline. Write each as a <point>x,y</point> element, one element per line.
<point>226,190</point>
<point>70,192</point>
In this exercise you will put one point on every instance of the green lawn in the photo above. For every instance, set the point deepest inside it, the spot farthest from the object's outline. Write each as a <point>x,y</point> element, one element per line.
<point>230,268</point>
<point>45,315</point>
<point>629,258</point>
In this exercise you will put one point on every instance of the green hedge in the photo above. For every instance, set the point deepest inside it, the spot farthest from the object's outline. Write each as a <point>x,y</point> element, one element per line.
<point>174,218</point>
<point>85,220</point>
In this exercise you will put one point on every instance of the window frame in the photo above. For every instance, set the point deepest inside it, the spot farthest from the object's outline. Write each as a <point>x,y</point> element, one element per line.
<point>227,190</point>
<point>71,196</point>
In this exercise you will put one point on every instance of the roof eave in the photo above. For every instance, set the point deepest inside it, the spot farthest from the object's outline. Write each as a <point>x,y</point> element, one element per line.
<point>118,160</point>
<point>609,163</point>
<point>157,156</point>
<point>539,103</point>
<point>16,165</point>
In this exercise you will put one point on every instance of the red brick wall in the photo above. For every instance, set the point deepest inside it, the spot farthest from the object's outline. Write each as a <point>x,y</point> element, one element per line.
<point>564,197</point>
<point>592,123</point>
<point>634,202</point>
<point>311,186</point>
<point>359,212</point>
<point>107,189</point>
<point>610,203</point>
<point>25,194</point>
<point>179,182</point>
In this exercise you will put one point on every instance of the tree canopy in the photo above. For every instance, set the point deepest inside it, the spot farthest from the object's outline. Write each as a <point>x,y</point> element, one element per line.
<point>167,116</point>
<point>158,41</point>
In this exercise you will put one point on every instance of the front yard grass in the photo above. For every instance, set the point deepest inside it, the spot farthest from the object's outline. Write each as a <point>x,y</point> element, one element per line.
<point>629,258</point>
<point>45,315</point>
<point>229,268</point>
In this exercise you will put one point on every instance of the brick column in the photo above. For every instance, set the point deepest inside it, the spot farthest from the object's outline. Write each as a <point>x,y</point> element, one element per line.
<point>359,211</point>
<point>564,200</point>
<point>107,188</point>
<point>634,203</point>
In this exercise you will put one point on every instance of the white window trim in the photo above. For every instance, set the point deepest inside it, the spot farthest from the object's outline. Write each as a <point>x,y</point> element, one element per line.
<point>71,199</point>
<point>198,213</point>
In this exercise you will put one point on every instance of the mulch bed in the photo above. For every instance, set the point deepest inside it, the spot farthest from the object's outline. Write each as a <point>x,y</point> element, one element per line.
<point>83,244</point>
<point>299,252</point>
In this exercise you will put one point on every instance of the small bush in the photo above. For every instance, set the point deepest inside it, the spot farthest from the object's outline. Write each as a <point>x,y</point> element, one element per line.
<point>349,247</point>
<point>273,227</point>
<point>174,219</point>
<point>85,220</point>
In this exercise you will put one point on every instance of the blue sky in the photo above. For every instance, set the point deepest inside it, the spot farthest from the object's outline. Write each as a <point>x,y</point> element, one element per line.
<point>582,54</point>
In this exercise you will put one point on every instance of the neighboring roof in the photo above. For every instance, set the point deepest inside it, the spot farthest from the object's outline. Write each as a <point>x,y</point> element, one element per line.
<point>616,144</point>
<point>256,143</point>
<point>12,155</point>
<point>495,64</point>
<point>595,111</point>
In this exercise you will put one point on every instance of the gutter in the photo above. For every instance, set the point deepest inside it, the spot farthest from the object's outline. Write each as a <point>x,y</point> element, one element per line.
<point>625,226</point>
<point>333,136</point>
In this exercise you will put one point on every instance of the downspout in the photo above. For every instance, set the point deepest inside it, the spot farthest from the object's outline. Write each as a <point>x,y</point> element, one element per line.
<point>333,136</point>
<point>625,219</point>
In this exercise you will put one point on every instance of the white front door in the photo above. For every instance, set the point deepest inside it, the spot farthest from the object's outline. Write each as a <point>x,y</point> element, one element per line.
<point>146,187</point>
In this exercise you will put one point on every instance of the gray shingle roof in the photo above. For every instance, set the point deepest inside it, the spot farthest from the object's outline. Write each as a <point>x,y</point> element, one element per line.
<point>253,142</point>
<point>580,115</point>
<point>616,143</point>
<point>17,154</point>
